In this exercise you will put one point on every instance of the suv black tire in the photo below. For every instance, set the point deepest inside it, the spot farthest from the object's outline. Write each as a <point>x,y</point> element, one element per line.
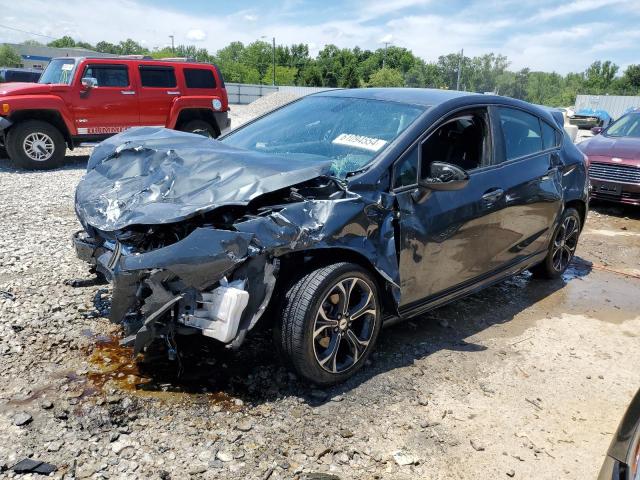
<point>45,133</point>
<point>352,339</point>
<point>200,127</point>
<point>562,246</point>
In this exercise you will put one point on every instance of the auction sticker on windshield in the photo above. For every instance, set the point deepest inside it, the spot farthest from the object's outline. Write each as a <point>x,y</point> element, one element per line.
<point>359,141</point>
<point>67,66</point>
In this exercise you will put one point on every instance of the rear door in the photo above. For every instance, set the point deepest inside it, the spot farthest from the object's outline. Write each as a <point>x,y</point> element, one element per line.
<point>528,182</point>
<point>109,107</point>
<point>158,89</point>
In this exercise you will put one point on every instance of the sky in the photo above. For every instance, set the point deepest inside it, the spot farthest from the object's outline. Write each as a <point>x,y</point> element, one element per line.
<point>540,34</point>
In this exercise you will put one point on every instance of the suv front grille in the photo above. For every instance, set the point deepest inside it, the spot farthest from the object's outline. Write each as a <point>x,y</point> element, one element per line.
<point>614,173</point>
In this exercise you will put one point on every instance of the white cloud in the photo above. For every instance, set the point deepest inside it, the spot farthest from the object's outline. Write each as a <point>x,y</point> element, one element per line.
<point>575,7</point>
<point>196,35</point>
<point>499,26</point>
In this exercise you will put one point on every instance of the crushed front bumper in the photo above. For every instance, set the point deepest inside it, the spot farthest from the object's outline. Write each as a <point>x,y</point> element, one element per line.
<point>161,292</point>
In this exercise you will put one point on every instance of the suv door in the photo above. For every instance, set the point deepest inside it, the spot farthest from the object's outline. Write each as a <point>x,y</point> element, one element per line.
<point>442,241</point>
<point>110,106</point>
<point>158,89</point>
<point>529,182</point>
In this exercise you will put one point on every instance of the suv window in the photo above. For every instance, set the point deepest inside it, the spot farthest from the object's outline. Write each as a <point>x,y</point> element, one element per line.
<point>199,78</point>
<point>108,75</point>
<point>162,77</point>
<point>521,132</point>
<point>463,140</point>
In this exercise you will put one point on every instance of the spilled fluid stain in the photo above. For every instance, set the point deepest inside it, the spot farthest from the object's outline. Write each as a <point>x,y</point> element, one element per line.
<point>151,375</point>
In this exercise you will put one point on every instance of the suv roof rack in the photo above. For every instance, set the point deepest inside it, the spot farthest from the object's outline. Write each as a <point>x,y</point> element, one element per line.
<point>178,59</point>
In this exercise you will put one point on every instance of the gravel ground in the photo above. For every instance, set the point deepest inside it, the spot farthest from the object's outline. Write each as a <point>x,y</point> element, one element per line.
<point>527,379</point>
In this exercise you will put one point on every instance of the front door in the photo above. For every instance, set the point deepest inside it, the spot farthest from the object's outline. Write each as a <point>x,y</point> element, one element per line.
<point>443,241</point>
<point>109,107</point>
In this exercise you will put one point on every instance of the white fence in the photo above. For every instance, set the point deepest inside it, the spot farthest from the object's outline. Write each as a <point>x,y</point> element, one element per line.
<point>614,105</point>
<point>243,93</point>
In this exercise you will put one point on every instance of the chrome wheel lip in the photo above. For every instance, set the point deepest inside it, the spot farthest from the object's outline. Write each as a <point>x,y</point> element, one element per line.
<point>348,326</point>
<point>38,146</point>
<point>565,242</point>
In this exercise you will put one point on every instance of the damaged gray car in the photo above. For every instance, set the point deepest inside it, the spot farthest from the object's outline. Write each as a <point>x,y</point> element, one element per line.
<point>334,214</point>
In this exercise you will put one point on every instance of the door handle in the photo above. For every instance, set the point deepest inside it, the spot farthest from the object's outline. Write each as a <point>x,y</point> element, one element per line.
<point>493,195</point>
<point>173,92</point>
<point>127,92</point>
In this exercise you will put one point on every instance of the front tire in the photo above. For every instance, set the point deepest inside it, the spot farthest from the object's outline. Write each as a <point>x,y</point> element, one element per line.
<point>562,247</point>
<point>330,322</point>
<point>36,145</point>
<point>200,127</point>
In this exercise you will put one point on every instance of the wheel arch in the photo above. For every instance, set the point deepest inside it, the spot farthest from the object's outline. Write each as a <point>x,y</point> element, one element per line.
<point>295,265</point>
<point>581,207</point>
<point>187,114</point>
<point>52,117</point>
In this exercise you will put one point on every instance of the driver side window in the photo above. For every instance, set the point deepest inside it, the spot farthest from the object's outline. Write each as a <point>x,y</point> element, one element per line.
<point>463,140</point>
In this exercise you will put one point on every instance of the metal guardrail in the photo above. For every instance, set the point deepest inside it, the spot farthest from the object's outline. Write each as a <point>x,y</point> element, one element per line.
<point>244,93</point>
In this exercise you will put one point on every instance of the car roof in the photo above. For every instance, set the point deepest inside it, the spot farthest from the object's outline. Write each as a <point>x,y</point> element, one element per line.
<point>411,96</point>
<point>145,60</point>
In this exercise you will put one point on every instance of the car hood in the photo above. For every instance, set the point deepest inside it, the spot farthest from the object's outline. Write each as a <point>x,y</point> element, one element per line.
<point>148,176</point>
<point>602,146</point>
<point>24,88</point>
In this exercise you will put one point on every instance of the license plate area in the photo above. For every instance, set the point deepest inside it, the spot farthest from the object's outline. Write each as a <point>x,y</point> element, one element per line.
<point>610,188</point>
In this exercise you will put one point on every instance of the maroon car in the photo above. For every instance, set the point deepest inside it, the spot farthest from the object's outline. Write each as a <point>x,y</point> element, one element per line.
<point>614,154</point>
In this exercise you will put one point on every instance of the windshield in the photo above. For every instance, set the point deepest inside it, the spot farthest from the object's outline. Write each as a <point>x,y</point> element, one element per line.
<point>60,70</point>
<point>348,131</point>
<point>627,126</point>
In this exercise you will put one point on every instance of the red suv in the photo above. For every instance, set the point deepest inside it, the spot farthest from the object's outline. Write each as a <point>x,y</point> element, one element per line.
<point>85,100</point>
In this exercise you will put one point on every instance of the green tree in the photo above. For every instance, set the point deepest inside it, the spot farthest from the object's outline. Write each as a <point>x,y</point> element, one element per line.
<point>64,42</point>
<point>131,47</point>
<point>284,76</point>
<point>599,76</point>
<point>9,57</point>
<point>106,47</point>
<point>386,77</point>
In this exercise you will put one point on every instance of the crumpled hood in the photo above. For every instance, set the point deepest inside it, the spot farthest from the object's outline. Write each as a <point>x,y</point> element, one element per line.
<point>623,147</point>
<point>153,175</point>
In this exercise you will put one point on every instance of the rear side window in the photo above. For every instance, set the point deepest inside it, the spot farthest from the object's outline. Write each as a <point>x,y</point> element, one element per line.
<point>521,130</point>
<point>199,78</point>
<point>108,75</point>
<point>550,136</point>
<point>161,77</point>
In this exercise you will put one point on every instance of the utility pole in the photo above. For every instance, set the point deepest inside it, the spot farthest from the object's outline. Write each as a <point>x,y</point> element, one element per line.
<point>459,68</point>
<point>274,61</point>
<point>384,59</point>
<point>173,48</point>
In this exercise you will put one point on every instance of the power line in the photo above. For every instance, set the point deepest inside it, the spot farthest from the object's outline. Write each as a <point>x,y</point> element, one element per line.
<point>25,31</point>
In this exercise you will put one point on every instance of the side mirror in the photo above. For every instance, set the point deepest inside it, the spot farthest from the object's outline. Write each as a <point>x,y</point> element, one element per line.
<point>88,83</point>
<point>445,176</point>
<point>596,130</point>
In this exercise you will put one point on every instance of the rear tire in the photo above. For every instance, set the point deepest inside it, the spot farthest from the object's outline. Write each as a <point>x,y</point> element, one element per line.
<point>200,127</point>
<point>36,145</point>
<point>562,246</point>
<point>330,322</point>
